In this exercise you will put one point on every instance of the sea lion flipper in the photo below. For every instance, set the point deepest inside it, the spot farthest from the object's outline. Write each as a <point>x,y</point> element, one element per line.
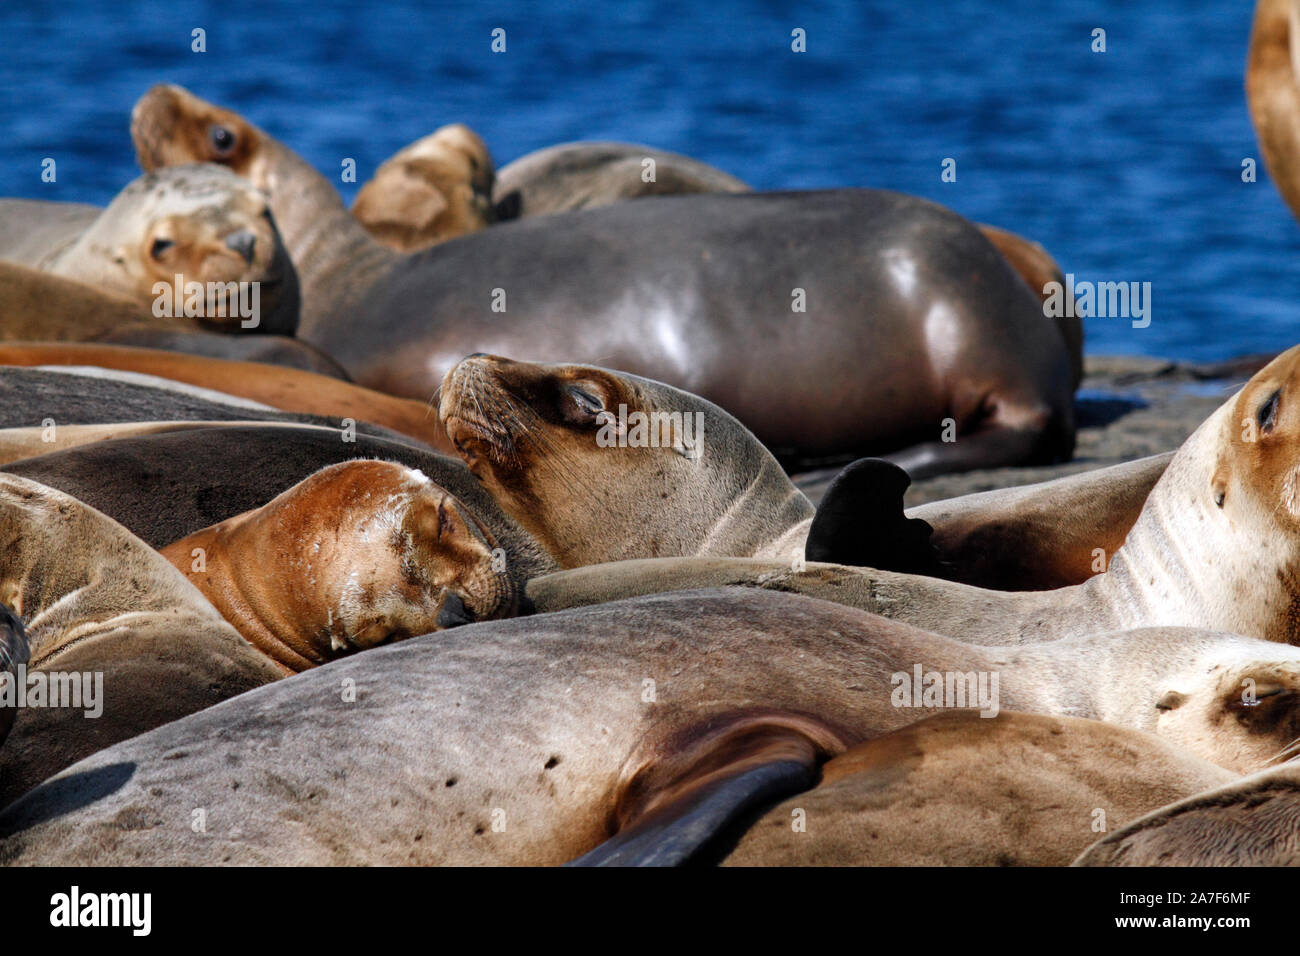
<point>14,652</point>
<point>860,522</point>
<point>675,834</point>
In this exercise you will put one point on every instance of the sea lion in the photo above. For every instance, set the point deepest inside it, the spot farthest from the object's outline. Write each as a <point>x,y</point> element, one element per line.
<point>438,187</point>
<point>1037,537</point>
<point>1215,546</point>
<point>696,483</point>
<point>17,444</point>
<point>166,486</point>
<point>54,397</point>
<point>1036,266</point>
<point>869,321</point>
<point>289,390</point>
<point>111,625</point>
<point>38,306</point>
<point>1250,822</point>
<point>1272,69</point>
<point>357,554</point>
<point>585,175</point>
<point>405,205</point>
<point>14,656</point>
<point>199,222</point>
<point>958,789</point>
<point>535,740</point>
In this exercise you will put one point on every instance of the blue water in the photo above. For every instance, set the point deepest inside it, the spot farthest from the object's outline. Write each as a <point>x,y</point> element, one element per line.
<point>1126,164</point>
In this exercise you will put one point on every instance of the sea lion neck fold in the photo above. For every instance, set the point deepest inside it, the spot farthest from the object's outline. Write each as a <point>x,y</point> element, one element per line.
<point>602,466</point>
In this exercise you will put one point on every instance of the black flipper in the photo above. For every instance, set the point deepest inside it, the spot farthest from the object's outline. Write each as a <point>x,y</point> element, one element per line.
<point>861,523</point>
<point>678,833</point>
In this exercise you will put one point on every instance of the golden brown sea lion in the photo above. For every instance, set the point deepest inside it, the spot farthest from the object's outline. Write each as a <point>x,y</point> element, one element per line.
<point>358,554</point>
<point>195,224</point>
<point>437,188</point>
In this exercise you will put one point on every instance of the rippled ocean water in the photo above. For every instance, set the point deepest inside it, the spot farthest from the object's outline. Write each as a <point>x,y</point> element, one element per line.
<point>1126,164</point>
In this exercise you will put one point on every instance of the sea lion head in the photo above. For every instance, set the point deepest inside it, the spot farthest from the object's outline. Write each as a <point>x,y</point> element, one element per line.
<point>436,188</point>
<point>1218,542</point>
<point>171,126</point>
<point>209,226</point>
<point>358,554</point>
<point>1239,707</point>
<point>600,465</point>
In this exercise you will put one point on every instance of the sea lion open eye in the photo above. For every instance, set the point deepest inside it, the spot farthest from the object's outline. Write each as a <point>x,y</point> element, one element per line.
<point>159,247</point>
<point>223,140</point>
<point>1267,414</point>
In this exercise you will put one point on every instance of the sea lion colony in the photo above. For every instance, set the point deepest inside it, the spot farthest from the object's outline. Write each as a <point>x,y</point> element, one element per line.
<point>420,577</point>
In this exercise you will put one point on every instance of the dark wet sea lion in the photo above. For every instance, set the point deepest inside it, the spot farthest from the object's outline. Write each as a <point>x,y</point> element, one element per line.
<point>675,290</point>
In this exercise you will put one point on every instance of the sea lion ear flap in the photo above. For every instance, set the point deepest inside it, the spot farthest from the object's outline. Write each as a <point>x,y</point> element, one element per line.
<point>399,198</point>
<point>860,522</point>
<point>684,800</point>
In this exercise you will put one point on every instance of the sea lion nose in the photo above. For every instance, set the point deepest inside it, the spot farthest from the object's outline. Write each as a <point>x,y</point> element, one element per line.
<point>242,242</point>
<point>453,613</point>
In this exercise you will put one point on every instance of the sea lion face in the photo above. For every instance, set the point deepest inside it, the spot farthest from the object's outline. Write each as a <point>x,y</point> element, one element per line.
<point>436,188</point>
<point>425,563</point>
<point>1238,714</point>
<point>387,555</point>
<point>1261,459</point>
<point>209,226</point>
<point>171,126</point>
<point>550,444</point>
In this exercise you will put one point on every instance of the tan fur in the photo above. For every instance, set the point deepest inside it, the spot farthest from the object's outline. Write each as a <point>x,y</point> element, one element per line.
<point>540,725</point>
<point>171,222</point>
<point>535,449</point>
<point>1273,92</point>
<point>1186,562</point>
<point>963,790</point>
<point>1041,536</point>
<point>358,554</point>
<point>1251,822</point>
<point>335,256</point>
<point>437,188</point>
